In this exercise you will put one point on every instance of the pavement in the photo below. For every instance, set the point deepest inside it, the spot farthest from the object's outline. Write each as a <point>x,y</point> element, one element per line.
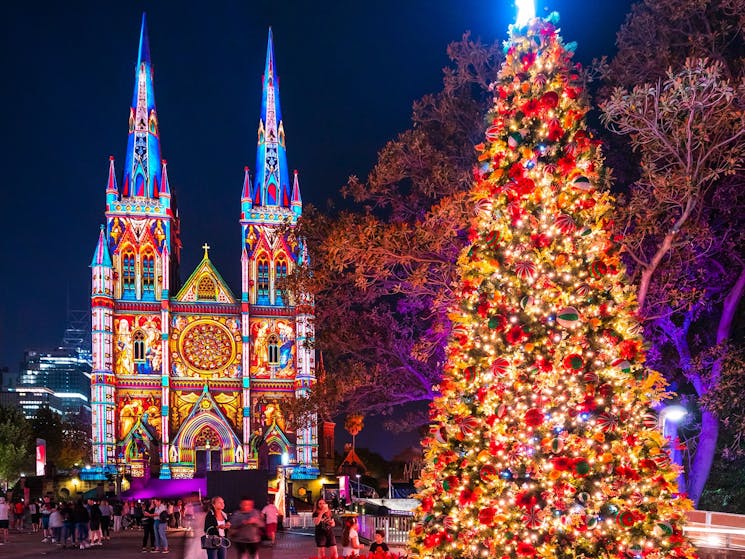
<point>182,545</point>
<point>295,544</point>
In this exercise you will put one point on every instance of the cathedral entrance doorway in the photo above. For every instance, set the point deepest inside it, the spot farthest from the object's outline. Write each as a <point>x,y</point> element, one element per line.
<point>207,460</point>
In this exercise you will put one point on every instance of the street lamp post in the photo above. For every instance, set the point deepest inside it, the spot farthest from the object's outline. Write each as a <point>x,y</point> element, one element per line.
<point>358,485</point>
<point>669,418</point>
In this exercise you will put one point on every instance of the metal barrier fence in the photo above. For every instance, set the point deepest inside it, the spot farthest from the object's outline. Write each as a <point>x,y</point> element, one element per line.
<point>705,528</point>
<point>396,528</point>
<point>718,530</point>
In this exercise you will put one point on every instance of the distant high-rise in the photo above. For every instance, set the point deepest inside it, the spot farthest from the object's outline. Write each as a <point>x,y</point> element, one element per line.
<point>59,378</point>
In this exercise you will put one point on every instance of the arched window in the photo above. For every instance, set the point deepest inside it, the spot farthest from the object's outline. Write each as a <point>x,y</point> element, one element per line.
<point>280,275</point>
<point>206,289</point>
<point>262,280</point>
<point>272,349</point>
<point>138,346</point>
<point>128,273</point>
<point>148,276</point>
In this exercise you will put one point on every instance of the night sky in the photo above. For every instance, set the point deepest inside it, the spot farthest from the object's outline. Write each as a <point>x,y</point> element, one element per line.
<point>349,72</point>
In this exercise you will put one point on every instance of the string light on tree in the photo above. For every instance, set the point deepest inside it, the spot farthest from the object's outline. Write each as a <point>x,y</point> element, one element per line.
<point>543,441</point>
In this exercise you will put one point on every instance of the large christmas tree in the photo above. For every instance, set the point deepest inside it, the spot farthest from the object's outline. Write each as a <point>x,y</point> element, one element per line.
<point>544,442</point>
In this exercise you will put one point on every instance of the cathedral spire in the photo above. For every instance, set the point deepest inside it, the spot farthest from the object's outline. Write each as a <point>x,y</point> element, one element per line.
<point>142,167</point>
<point>272,185</point>
<point>297,201</point>
<point>101,256</point>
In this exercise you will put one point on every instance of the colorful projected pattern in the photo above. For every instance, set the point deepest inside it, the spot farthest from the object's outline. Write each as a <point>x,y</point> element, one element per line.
<point>272,349</point>
<point>205,346</point>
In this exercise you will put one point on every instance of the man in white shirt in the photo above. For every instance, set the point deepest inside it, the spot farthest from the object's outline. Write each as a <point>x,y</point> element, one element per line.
<point>4,520</point>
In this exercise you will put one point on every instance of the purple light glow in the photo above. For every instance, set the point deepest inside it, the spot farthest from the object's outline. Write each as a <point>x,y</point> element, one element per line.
<point>167,489</point>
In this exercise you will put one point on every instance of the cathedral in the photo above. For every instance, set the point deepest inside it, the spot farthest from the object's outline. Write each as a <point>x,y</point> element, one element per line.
<point>188,377</point>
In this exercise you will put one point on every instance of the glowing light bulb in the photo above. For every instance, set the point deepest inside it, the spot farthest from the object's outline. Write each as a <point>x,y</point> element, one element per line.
<point>525,12</point>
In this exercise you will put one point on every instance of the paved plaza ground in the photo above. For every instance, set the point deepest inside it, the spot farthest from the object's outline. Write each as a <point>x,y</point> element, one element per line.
<point>295,545</point>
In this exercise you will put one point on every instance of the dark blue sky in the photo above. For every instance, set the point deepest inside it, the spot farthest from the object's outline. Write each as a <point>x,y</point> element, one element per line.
<point>349,72</point>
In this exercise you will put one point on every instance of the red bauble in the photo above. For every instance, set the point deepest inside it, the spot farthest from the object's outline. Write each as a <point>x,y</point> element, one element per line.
<point>534,417</point>
<point>486,516</point>
<point>550,99</point>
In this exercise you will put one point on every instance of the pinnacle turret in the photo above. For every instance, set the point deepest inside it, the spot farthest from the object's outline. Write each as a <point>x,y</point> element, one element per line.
<point>101,256</point>
<point>272,185</point>
<point>142,167</point>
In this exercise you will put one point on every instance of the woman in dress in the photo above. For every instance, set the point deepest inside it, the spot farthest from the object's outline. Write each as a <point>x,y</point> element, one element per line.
<point>216,523</point>
<point>324,522</point>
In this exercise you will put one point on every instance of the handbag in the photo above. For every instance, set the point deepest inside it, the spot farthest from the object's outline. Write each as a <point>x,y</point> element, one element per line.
<point>214,541</point>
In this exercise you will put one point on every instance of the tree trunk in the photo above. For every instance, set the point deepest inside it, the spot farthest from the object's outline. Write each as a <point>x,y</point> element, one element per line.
<point>705,451</point>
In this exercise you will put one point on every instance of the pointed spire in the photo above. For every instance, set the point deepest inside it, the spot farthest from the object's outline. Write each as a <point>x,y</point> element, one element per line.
<point>142,167</point>
<point>246,192</point>
<point>101,256</point>
<point>111,187</point>
<point>165,188</point>
<point>297,201</point>
<point>271,186</point>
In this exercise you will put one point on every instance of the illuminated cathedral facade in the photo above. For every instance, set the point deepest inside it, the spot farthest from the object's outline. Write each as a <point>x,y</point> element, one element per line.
<point>190,378</point>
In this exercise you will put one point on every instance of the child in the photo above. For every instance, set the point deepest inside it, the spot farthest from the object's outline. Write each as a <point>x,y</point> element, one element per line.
<point>350,539</point>
<point>379,546</point>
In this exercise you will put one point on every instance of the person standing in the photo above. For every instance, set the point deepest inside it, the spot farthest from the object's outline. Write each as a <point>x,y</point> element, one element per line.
<point>379,546</point>
<point>161,525</point>
<point>68,524</point>
<point>56,523</point>
<point>271,515</point>
<point>19,510</point>
<point>148,529</point>
<point>81,518</point>
<point>350,539</point>
<point>94,510</point>
<point>216,523</point>
<point>33,511</point>
<point>46,512</point>
<point>4,520</point>
<point>106,511</point>
<point>178,514</point>
<point>324,533</point>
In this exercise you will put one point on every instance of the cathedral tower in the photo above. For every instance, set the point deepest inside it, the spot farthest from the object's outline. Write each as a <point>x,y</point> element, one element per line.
<point>277,329</point>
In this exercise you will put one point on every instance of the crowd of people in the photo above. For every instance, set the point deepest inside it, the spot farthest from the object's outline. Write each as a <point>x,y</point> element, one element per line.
<point>88,523</point>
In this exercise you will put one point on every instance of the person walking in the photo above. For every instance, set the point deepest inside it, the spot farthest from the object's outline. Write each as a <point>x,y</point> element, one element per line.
<point>245,529</point>
<point>216,523</point>
<point>271,515</point>
<point>324,532</point>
